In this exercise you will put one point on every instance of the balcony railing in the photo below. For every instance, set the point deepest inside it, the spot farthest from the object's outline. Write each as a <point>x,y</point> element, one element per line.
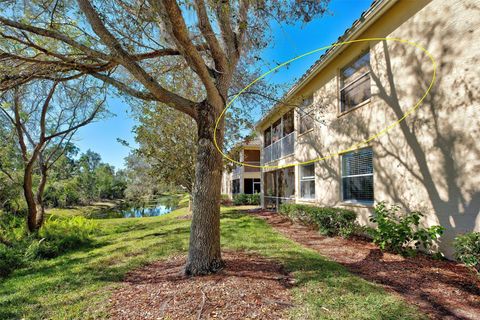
<point>279,149</point>
<point>237,171</point>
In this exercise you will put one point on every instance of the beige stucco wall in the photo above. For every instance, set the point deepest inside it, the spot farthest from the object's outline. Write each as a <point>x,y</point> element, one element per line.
<point>431,161</point>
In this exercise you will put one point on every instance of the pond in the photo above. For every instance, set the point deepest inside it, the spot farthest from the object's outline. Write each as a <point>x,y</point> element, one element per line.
<point>137,209</point>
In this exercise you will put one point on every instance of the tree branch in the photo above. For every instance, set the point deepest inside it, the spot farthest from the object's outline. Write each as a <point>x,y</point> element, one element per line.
<point>223,16</point>
<point>180,103</point>
<point>43,115</point>
<point>55,35</point>
<point>171,15</point>
<point>221,63</point>
<point>80,124</point>
<point>147,96</point>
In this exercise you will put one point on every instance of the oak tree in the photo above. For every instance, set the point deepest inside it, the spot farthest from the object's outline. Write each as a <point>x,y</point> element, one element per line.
<point>136,46</point>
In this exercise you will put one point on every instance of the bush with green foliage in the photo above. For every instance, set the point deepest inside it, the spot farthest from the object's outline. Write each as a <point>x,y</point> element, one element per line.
<point>329,221</point>
<point>401,233</point>
<point>10,259</point>
<point>467,249</point>
<point>246,199</point>
<point>64,234</point>
<point>58,235</point>
<point>62,193</point>
<point>225,200</point>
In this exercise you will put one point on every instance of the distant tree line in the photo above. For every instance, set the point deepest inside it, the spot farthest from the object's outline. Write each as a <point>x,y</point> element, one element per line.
<point>74,179</point>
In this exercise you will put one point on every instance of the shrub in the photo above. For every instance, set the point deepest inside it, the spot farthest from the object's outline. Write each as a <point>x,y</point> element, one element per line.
<point>12,228</point>
<point>467,249</point>
<point>62,234</point>
<point>401,233</point>
<point>62,193</point>
<point>246,199</point>
<point>225,200</point>
<point>58,235</point>
<point>10,259</point>
<point>12,242</point>
<point>329,221</point>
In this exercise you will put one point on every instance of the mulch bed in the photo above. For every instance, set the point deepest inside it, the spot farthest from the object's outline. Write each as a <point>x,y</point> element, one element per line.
<point>442,289</point>
<point>249,287</point>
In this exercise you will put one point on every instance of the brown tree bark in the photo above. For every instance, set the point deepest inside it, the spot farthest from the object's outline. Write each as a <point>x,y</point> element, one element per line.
<point>35,207</point>
<point>204,254</point>
<point>30,198</point>
<point>39,196</point>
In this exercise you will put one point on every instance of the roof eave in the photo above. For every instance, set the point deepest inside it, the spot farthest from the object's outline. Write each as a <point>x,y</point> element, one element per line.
<point>371,15</point>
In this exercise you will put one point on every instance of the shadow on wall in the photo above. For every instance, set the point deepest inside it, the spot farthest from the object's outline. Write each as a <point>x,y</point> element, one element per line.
<point>430,161</point>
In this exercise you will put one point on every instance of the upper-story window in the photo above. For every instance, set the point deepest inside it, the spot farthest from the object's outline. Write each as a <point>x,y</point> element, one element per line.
<point>355,83</point>
<point>306,114</point>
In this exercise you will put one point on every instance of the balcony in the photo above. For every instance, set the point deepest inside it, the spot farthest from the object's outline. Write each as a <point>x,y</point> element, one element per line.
<point>237,171</point>
<point>279,149</point>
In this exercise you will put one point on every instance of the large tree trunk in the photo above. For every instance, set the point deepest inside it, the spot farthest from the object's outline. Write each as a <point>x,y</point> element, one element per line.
<point>30,198</point>
<point>204,255</point>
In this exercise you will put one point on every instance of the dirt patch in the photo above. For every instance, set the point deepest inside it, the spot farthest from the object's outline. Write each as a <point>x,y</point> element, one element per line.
<point>441,289</point>
<point>249,287</point>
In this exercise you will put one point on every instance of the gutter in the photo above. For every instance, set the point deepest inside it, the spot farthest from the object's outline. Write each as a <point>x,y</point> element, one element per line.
<point>369,16</point>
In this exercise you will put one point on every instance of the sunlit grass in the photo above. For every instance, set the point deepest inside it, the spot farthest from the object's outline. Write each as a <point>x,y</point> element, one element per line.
<point>77,285</point>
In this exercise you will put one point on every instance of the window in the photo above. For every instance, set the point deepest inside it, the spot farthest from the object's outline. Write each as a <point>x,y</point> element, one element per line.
<point>236,186</point>
<point>306,115</point>
<point>256,185</point>
<point>355,83</point>
<point>307,181</point>
<point>251,186</point>
<point>357,176</point>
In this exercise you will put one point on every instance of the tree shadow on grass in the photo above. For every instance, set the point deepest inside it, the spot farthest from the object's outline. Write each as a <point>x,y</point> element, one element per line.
<point>317,278</point>
<point>26,289</point>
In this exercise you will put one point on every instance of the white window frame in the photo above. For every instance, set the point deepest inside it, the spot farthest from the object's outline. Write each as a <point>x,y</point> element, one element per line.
<point>342,176</point>
<point>259,183</point>
<point>307,179</point>
<point>342,87</point>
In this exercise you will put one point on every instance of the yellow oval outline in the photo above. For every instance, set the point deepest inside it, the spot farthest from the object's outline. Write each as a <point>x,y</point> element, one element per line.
<point>353,147</point>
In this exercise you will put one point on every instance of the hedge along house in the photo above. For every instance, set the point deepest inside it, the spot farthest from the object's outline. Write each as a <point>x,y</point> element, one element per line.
<point>244,179</point>
<point>430,162</point>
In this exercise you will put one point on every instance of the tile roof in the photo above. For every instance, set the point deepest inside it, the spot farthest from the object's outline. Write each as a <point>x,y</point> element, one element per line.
<point>371,11</point>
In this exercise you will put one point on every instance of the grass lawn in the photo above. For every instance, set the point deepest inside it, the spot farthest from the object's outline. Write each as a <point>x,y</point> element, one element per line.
<point>77,285</point>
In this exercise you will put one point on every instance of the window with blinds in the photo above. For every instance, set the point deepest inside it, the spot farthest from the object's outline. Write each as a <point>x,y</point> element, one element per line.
<point>307,181</point>
<point>357,176</point>
<point>355,83</point>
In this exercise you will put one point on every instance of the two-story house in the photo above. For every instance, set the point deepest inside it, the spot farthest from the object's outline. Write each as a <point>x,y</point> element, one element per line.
<point>429,162</point>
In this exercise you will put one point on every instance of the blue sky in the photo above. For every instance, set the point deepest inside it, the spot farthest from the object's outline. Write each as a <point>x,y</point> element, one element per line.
<point>288,42</point>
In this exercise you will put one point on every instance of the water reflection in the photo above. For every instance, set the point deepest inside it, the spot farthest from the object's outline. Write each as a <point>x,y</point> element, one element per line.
<point>152,208</point>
